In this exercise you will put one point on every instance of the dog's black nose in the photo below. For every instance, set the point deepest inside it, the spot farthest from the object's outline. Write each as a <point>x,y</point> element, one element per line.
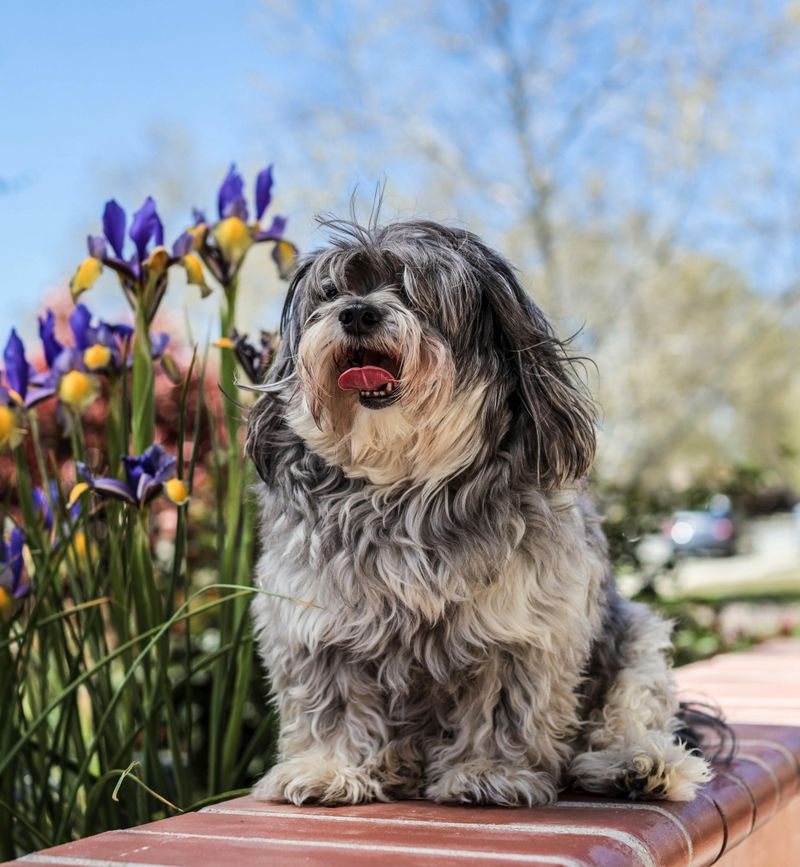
<point>360,318</point>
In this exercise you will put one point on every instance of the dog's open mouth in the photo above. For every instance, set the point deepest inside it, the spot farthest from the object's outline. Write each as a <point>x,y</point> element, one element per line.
<point>373,375</point>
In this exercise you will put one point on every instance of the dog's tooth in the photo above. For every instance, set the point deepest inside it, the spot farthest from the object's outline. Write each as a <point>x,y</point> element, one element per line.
<point>389,387</point>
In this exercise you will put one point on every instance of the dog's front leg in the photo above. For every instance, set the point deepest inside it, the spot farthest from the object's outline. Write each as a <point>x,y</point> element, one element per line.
<point>507,734</point>
<point>332,727</point>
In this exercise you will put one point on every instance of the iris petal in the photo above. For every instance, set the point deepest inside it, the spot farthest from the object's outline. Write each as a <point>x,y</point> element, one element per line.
<point>113,488</point>
<point>97,357</point>
<point>285,256</point>
<point>76,493</point>
<point>183,245</point>
<point>194,273</point>
<point>146,227</point>
<point>230,199</point>
<point>17,372</point>
<point>158,343</point>
<point>275,231</point>
<point>86,275</point>
<point>38,395</point>
<point>77,389</point>
<point>263,191</point>
<point>97,247</point>
<point>234,238</point>
<point>176,491</point>
<point>47,329</point>
<point>80,322</point>
<point>10,432</point>
<point>114,226</point>
<point>41,505</point>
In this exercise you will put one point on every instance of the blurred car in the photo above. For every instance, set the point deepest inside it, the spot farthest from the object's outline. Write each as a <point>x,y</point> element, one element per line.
<point>708,532</point>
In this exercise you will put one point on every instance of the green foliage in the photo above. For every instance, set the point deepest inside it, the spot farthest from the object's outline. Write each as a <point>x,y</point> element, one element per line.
<point>128,680</point>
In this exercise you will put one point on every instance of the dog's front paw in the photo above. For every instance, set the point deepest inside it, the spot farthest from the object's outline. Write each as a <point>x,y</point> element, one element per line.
<point>489,783</point>
<point>317,779</point>
<point>669,772</point>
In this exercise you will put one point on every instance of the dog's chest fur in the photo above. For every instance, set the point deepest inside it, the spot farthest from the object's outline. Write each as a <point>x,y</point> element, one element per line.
<point>443,582</point>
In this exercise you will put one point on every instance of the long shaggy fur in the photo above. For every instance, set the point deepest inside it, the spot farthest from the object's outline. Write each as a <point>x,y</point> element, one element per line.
<point>467,643</point>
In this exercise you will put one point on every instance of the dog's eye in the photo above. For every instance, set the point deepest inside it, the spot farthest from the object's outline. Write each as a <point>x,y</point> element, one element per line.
<point>330,292</point>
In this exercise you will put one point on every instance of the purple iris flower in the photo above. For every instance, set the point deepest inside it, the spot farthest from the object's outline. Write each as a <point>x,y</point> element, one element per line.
<point>224,254</point>
<point>11,564</point>
<point>255,360</point>
<point>146,227</point>
<point>146,231</point>
<point>86,334</point>
<point>103,334</point>
<point>143,276</point>
<point>144,477</point>
<point>20,376</point>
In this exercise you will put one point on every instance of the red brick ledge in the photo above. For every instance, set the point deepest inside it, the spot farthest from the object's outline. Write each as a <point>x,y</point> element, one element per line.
<point>748,815</point>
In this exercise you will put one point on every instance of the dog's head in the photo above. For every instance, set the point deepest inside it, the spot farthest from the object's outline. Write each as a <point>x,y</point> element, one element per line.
<point>410,353</point>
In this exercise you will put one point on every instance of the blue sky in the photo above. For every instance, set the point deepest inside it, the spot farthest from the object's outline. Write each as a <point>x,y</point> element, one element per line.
<point>81,86</point>
<point>87,88</point>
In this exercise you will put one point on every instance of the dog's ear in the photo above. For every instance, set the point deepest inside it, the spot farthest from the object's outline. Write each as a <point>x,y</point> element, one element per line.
<point>553,416</point>
<point>268,435</point>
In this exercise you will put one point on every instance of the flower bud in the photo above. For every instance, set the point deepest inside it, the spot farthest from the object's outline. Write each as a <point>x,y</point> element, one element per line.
<point>76,493</point>
<point>77,389</point>
<point>86,275</point>
<point>10,434</point>
<point>97,357</point>
<point>234,238</point>
<point>176,491</point>
<point>194,273</point>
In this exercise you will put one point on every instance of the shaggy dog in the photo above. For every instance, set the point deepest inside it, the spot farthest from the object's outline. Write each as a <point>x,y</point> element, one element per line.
<point>423,443</point>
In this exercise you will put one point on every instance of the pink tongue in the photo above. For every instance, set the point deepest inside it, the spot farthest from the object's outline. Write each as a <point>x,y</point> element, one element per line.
<point>367,378</point>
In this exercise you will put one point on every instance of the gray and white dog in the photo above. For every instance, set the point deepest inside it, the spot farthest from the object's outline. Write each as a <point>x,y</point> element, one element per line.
<point>423,443</point>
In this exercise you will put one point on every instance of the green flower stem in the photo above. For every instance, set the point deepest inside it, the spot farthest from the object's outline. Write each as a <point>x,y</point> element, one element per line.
<point>33,423</point>
<point>242,658</point>
<point>148,606</point>
<point>8,735</point>
<point>154,634</point>
<point>115,423</point>
<point>226,707</point>
<point>76,434</point>
<point>228,362</point>
<point>25,495</point>
<point>143,414</point>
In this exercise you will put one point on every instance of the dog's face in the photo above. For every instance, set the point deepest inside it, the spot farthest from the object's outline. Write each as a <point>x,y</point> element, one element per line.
<point>410,353</point>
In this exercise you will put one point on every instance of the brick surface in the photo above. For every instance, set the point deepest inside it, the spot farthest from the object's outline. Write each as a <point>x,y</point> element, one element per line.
<point>748,815</point>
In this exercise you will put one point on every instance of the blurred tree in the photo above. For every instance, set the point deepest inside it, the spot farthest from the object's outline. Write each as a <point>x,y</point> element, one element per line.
<point>631,159</point>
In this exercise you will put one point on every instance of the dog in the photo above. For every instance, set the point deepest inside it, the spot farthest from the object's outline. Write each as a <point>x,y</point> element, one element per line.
<point>424,443</point>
